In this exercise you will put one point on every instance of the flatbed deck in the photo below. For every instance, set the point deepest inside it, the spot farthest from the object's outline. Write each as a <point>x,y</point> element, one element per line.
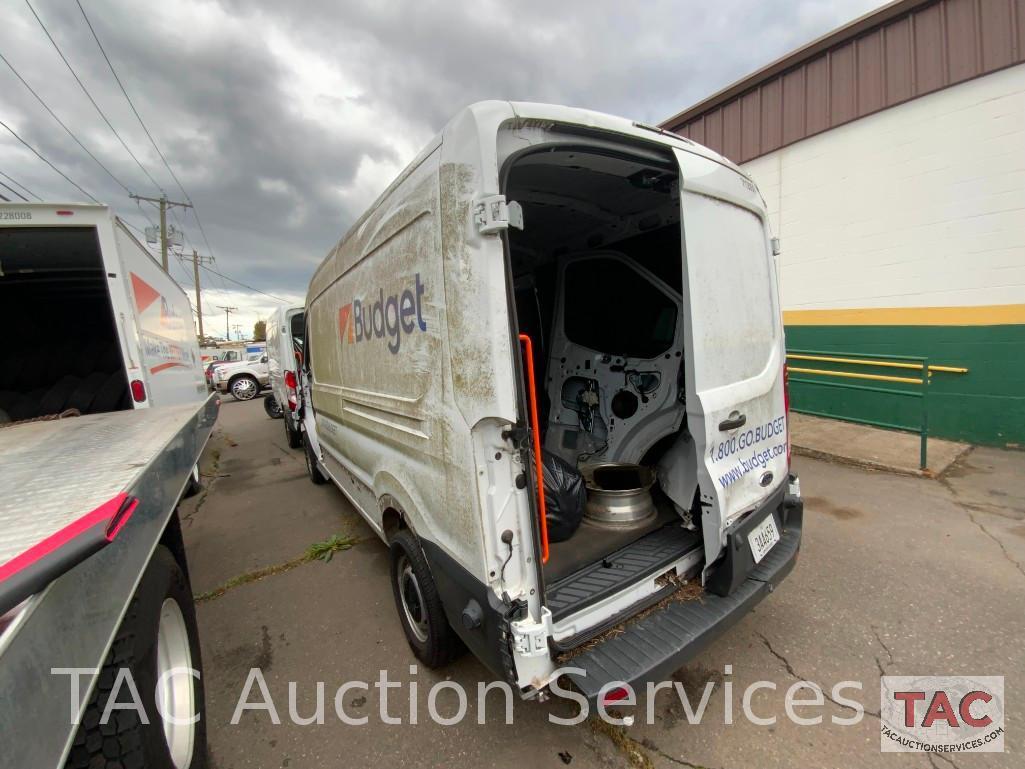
<point>52,476</point>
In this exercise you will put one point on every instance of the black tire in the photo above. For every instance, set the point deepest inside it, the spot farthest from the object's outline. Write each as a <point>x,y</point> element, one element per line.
<point>244,388</point>
<point>193,486</point>
<point>316,476</point>
<point>293,436</point>
<point>272,407</point>
<point>433,641</point>
<point>124,741</point>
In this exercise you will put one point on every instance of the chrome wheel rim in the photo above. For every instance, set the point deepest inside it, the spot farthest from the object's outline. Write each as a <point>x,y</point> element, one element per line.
<point>412,599</point>
<point>176,691</point>
<point>244,389</point>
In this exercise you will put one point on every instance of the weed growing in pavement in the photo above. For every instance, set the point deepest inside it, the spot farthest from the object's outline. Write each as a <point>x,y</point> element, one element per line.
<point>322,551</point>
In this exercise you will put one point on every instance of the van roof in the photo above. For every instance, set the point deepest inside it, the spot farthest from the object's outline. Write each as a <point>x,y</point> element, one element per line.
<point>474,128</point>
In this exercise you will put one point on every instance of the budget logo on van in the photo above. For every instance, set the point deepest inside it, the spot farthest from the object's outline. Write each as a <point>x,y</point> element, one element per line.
<point>391,317</point>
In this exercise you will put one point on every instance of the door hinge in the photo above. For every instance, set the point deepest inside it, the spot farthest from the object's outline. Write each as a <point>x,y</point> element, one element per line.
<point>493,214</point>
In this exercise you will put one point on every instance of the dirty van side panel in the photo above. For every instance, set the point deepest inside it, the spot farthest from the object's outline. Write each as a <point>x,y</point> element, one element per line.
<point>483,383</point>
<point>378,358</point>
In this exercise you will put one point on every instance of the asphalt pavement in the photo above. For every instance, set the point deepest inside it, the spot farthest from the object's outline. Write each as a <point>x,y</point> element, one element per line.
<point>898,575</point>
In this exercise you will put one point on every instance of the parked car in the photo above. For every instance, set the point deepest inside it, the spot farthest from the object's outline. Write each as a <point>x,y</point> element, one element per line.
<point>244,379</point>
<point>222,357</point>
<point>284,350</point>
<point>553,296</point>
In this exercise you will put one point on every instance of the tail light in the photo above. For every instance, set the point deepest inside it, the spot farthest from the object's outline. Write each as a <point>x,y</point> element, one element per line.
<point>292,383</point>
<point>138,391</point>
<point>786,405</point>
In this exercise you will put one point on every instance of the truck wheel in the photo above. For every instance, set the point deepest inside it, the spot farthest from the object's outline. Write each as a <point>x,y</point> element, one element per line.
<point>157,635</point>
<point>272,407</point>
<point>293,436</point>
<point>194,485</point>
<point>316,476</point>
<point>420,611</point>
<point>244,388</point>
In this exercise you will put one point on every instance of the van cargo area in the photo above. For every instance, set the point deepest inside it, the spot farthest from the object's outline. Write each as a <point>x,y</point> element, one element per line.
<point>598,274</point>
<point>65,353</point>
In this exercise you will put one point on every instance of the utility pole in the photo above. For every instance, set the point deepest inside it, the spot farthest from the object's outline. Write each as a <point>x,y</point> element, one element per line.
<point>238,331</point>
<point>196,261</point>
<point>164,204</point>
<point>227,312</point>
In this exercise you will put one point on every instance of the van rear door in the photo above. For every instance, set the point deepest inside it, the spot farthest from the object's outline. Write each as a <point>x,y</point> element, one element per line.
<point>733,349</point>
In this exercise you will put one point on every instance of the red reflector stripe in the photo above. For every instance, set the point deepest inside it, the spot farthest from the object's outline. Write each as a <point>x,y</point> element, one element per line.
<point>65,213</point>
<point>615,695</point>
<point>105,513</point>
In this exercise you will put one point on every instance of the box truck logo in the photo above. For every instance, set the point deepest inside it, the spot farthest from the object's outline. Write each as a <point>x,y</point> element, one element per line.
<point>391,317</point>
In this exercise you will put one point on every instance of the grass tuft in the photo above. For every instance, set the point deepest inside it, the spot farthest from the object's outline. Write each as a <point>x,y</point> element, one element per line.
<point>318,551</point>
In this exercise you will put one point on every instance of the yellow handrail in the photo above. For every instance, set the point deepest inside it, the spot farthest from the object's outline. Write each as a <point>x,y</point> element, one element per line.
<point>881,363</point>
<point>854,375</point>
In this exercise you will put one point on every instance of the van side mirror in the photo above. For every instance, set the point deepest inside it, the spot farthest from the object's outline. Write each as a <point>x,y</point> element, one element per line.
<point>263,359</point>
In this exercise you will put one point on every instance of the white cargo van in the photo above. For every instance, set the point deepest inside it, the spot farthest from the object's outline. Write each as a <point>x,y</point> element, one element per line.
<point>284,350</point>
<point>547,366</point>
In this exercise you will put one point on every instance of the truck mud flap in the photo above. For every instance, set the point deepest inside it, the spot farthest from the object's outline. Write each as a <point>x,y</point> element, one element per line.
<point>652,648</point>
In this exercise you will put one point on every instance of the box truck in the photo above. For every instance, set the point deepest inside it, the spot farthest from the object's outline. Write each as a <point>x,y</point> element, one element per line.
<point>103,415</point>
<point>547,366</point>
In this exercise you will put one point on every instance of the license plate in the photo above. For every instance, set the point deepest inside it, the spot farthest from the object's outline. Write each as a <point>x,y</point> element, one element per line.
<point>764,536</point>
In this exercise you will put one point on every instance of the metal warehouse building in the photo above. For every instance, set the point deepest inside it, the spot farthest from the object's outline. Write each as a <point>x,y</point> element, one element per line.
<point>891,154</point>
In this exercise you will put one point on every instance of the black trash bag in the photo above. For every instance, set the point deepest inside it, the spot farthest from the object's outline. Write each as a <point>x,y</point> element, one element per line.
<point>565,497</point>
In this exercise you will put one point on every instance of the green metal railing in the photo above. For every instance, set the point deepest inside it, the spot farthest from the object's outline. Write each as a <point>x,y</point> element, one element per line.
<point>891,362</point>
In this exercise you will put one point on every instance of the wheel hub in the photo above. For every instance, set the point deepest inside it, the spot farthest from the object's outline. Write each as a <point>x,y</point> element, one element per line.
<point>176,691</point>
<point>412,600</point>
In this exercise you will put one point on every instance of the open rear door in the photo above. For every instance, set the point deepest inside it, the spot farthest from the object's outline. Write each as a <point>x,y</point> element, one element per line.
<point>733,349</point>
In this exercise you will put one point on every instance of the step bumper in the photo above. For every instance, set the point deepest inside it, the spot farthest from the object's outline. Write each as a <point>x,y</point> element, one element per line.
<point>652,648</point>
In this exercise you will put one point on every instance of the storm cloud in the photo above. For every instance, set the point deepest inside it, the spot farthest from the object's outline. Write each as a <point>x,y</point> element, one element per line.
<point>283,121</point>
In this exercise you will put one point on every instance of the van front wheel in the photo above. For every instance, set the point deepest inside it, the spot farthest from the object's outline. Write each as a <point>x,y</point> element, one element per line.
<point>420,611</point>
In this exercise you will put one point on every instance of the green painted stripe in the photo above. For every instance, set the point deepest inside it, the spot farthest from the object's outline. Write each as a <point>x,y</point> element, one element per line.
<point>986,405</point>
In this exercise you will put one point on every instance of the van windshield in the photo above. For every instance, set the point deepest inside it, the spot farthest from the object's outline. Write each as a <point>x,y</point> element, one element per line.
<point>730,274</point>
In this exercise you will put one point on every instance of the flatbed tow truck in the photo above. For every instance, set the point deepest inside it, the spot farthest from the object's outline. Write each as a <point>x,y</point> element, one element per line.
<point>103,417</point>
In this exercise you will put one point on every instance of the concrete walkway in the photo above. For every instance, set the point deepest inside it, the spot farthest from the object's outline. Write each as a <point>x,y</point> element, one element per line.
<point>870,446</point>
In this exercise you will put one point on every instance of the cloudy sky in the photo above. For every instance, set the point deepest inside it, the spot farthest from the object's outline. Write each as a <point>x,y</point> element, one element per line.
<point>284,120</point>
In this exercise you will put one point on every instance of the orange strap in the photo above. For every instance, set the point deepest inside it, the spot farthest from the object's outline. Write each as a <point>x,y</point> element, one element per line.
<point>536,438</point>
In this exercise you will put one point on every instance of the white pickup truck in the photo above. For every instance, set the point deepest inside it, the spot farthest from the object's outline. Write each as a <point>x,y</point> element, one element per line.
<point>103,416</point>
<point>245,379</point>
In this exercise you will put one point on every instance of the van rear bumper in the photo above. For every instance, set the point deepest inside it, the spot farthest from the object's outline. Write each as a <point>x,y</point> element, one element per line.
<point>652,648</point>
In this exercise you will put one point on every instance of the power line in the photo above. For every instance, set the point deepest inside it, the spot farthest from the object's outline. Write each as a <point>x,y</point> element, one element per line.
<point>38,155</point>
<point>199,222</point>
<point>246,285</point>
<point>19,184</point>
<point>13,191</point>
<point>91,99</point>
<point>61,123</point>
<point>130,102</point>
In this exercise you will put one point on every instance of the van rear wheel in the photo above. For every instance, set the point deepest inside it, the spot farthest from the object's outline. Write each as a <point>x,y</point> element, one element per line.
<point>293,436</point>
<point>316,476</point>
<point>272,407</point>
<point>420,611</point>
